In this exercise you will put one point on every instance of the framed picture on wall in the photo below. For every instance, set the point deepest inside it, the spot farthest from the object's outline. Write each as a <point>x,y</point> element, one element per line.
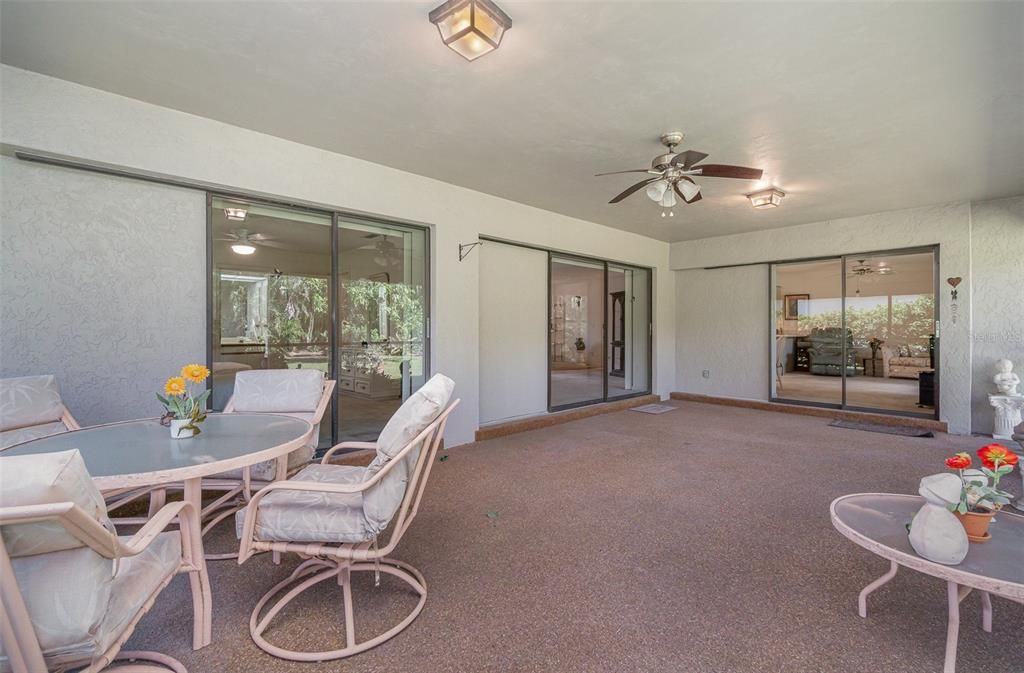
<point>793,308</point>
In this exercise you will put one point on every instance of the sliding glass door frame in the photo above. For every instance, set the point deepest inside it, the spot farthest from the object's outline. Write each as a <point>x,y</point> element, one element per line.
<point>338,217</point>
<point>604,263</point>
<point>843,259</point>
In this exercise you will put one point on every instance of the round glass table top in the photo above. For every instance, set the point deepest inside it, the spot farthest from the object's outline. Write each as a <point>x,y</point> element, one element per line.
<point>878,522</point>
<point>137,452</point>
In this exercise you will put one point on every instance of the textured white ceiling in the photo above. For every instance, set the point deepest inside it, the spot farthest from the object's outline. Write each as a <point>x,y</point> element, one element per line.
<point>850,108</point>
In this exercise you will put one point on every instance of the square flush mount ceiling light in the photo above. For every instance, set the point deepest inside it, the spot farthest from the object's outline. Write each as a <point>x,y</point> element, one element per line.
<point>236,214</point>
<point>471,28</point>
<point>768,198</point>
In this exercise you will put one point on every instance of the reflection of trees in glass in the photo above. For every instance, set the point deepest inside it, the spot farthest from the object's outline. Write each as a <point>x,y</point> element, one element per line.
<point>388,318</point>
<point>297,310</point>
<point>912,322</point>
<point>379,311</point>
<point>234,308</point>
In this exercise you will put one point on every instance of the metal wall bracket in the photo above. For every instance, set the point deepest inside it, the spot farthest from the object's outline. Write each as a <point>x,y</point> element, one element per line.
<point>466,248</point>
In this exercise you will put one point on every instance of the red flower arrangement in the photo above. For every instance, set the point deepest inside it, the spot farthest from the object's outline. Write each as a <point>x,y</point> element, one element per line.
<point>976,494</point>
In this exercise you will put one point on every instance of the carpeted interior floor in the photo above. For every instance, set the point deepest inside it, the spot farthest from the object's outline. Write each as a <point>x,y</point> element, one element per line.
<point>694,541</point>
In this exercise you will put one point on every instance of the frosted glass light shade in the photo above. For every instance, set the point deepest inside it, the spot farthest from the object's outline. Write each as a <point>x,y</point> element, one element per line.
<point>470,28</point>
<point>243,249</point>
<point>688,189</point>
<point>669,198</point>
<point>769,198</point>
<point>656,190</point>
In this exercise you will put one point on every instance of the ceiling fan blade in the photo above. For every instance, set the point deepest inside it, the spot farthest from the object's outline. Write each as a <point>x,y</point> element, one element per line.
<point>688,158</point>
<point>635,188</point>
<point>726,171</point>
<point>680,194</point>
<point>638,170</point>
<point>270,244</point>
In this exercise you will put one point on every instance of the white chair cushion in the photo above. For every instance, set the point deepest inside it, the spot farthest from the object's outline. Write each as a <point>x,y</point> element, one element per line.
<point>278,390</point>
<point>381,501</point>
<point>78,609</point>
<point>12,437</point>
<point>41,479</point>
<point>305,516</point>
<point>29,400</point>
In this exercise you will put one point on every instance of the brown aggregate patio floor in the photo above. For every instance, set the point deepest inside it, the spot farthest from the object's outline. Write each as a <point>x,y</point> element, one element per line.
<point>695,541</point>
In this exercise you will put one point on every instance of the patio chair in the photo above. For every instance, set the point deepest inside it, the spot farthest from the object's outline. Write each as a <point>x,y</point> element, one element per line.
<point>332,516</point>
<point>72,591</point>
<point>302,393</point>
<point>30,408</point>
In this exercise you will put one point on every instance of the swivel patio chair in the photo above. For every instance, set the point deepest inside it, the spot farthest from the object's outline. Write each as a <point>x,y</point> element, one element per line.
<point>332,517</point>
<point>71,590</point>
<point>301,393</point>
<point>30,408</point>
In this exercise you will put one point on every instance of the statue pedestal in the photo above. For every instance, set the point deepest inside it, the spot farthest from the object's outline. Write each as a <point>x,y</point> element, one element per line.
<point>1008,414</point>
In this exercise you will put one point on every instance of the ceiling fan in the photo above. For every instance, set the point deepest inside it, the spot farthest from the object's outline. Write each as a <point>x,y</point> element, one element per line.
<point>673,174</point>
<point>243,241</point>
<point>863,269</point>
<point>386,252</point>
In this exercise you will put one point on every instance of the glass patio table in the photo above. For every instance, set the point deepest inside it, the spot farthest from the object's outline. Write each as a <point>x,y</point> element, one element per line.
<point>878,522</point>
<point>138,454</point>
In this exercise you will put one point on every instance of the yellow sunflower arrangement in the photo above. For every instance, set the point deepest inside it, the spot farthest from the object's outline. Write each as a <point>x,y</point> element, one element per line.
<point>180,403</point>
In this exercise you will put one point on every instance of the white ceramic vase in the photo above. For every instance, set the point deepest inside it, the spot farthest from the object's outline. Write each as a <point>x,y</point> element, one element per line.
<point>935,534</point>
<point>178,429</point>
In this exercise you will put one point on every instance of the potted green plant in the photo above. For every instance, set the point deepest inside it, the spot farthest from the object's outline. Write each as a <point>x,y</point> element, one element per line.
<point>980,500</point>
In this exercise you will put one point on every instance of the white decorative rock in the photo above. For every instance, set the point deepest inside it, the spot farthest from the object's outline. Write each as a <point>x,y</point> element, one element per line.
<point>935,534</point>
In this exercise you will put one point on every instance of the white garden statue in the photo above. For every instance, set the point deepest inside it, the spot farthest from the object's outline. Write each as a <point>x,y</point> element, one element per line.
<point>935,533</point>
<point>1006,381</point>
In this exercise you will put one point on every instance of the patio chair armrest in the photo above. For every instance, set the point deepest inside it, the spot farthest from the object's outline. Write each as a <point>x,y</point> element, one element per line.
<point>184,512</point>
<point>347,445</point>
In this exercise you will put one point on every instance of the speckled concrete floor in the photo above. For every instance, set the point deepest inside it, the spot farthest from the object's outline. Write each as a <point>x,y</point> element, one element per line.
<point>698,541</point>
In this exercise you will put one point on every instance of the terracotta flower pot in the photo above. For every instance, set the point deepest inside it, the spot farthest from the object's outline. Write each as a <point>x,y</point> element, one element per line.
<point>976,524</point>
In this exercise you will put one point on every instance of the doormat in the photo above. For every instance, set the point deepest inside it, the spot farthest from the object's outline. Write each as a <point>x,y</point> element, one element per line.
<point>901,430</point>
<point>652,408</point>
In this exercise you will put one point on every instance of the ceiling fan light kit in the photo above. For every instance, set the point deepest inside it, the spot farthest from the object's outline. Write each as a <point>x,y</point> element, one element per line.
<point>243,249</point>
<point>673,174</point>
<point>470,28</point>
<point>766,198</point>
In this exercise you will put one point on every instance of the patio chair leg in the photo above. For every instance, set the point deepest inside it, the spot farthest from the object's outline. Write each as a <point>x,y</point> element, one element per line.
<point>313,572</point>
<point>158,662</point>
<point>986,612</point>
<point>157,499</point>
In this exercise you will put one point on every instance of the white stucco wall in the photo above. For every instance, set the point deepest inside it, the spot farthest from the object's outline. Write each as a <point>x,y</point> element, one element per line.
<point>723,324</point>
<point>997,251</point>
<point>52,115</point>
<point>102,280</point>
<point>983,243</point>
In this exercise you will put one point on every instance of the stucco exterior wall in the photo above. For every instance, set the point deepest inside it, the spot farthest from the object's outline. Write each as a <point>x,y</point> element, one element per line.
<point>997,250</point>
<point>102,279</point>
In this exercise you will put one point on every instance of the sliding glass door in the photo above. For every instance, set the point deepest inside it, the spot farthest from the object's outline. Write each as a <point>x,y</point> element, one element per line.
<point>295,288</point>
<point>382,323</point>
<point>599,331</point>
<point>857,332</point>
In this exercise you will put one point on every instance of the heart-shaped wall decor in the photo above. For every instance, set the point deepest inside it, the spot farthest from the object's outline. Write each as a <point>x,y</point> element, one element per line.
<point>954,281</point>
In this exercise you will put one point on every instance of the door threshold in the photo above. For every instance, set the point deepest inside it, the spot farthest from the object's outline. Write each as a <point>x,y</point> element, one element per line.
<point>821,412</point>
<point>503,428</point>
